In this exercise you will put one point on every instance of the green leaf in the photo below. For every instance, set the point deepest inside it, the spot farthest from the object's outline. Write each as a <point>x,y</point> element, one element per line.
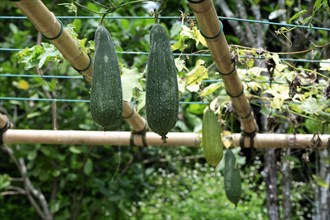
<point>196,76</point>
<point>4,181</point>
<point>180,64</point>
<point>188,33</point>
<point>51,54</point>
<point>325,65</point>
<point>313,106</point>
<point>141,101</point>
<point>297,15</point>
<point>29,56</point>
<point>194,120</point>
<point>88,167</point>
<point>196,109</point>
<point>320,182</point>
<point>54,206</point>
<point>130,81</point>
<point>75,150</point>
<point>277,13</point>
<point>249,62</point>
<point>210,89</point>
<point>179,45</point>
<point>32,155</point>
<point>39,55</point>
<point>280,93</point>
<point>317,5</point>
<point>33,114</point>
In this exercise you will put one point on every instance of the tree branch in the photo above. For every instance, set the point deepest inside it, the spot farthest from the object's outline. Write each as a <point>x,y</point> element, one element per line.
<point>259,31</point>
<point>234,24</point>
<point>32,193</point>
<point>286,172</point>
<point>243,14</point>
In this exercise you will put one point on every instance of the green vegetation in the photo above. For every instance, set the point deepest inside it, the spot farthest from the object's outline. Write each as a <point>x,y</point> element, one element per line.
<point>120,182</point>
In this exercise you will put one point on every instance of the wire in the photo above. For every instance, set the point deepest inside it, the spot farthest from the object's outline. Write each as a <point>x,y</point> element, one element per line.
<point>42,99</point>
<point>188,54</point>
<point>40,76</point>
<point>87,101</point>
<point>10,49</point>
<point>81,77</point>
<point>68,100</point>
<point>177,18</point>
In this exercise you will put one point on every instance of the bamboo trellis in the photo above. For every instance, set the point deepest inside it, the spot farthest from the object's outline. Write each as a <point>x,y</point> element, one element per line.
<point>124,138</point>
<point>46,22</point>
<point>211,29</point>
<point>189,139</point>
<point>51,28</point>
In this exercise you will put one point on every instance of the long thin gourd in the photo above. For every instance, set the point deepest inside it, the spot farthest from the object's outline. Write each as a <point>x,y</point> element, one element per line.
<point>162,94</point>
<point>211,139</point>
<point>232,177</point>
<point>106,92</point>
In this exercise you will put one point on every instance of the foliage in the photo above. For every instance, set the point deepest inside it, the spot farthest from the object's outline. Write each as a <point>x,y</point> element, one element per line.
<point>115,182</point>
<point>194,194</point>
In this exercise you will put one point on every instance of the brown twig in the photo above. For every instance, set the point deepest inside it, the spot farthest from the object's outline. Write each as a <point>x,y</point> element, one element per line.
<point>35,196</point>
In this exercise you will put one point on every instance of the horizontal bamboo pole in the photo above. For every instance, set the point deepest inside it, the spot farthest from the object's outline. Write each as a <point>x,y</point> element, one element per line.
<point>211,28</point>
<point>46,23</point>
<point>120,138</point>
<point>123,138</point>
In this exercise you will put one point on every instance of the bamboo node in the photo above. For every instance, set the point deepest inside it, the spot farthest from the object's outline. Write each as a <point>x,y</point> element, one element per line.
<point>246,116</point>
<point>249,135</point>
<point>141,133</point>
<point>58,35</point>
<point>85,69</point>
<point>235,96</point>
<point>130,115</point>
<point>215,36</point>
<point>3,130</point>
<point>231,72</point>
<point>195,2</point>
<point>316,141</point>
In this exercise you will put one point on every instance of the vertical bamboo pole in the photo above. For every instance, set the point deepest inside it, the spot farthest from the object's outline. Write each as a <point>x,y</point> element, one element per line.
<point>3,121</point>
<point>51,28</point>
<point>212,30</point>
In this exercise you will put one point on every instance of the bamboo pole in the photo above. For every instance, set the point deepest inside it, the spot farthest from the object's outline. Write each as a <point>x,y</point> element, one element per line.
<point>46,23</point>
<point>120,138</point>
<point>50,27</point>
<point>211,28</point>
<point>124,138</point>
<point>3,120</point>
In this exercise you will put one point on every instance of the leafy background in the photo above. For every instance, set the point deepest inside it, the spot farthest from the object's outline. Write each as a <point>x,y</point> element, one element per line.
<point>119,182</point>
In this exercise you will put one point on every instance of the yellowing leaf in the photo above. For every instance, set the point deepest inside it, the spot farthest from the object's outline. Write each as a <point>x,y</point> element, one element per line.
<point>130,79</point>
<point>179,45</point>
<point>277,102</point>
<point>325,65</point>
<point>22,84</point>
<point>188,33</point>
<point>227,140</point>
<point>199,37</point>
<point>196,75</point>
<point>210,89</point>
<point>180,64</point>
<point>280,93</point>
<point>254,86</point>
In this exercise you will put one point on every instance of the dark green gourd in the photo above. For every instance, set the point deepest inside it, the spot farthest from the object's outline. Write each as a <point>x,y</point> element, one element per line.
<point>162,94</point>
<point>232,177</point>
<point>106,92</point>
